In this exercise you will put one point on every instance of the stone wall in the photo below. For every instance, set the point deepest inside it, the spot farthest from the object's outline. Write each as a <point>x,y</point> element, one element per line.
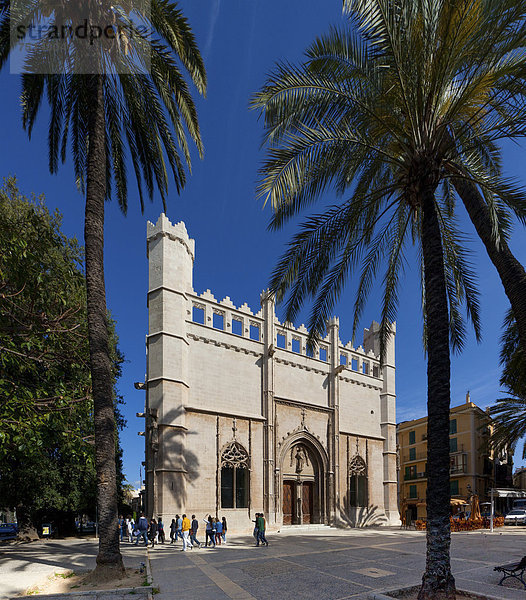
<point>218,373</point>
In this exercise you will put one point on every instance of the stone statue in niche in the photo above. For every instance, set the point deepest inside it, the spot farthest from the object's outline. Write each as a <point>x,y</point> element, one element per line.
<point>300,455</point>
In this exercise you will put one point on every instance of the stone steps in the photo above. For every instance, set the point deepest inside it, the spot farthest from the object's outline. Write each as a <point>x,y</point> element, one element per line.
<point>305,528</point>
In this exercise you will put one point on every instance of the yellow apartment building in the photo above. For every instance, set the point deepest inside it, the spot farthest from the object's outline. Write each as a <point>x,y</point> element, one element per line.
<point>473,468</point>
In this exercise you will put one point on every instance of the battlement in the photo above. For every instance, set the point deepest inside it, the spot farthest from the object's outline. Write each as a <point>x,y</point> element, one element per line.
<point>175,232</point>
<point>224,316</point>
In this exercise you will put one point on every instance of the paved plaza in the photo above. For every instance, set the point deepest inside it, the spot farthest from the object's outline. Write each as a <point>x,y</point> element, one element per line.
<point>330,565</point>
<point>323,565</point>
<point>25,565</point>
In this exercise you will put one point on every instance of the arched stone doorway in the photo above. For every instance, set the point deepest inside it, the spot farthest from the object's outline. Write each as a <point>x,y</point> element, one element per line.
<point>303,483</point>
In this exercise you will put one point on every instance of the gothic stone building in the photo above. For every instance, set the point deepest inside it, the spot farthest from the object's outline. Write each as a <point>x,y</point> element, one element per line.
<point>241,418</point>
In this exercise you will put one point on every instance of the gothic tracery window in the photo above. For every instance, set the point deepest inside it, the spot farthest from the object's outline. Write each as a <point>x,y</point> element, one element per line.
<point>234,476</point>
<point>358,495</point>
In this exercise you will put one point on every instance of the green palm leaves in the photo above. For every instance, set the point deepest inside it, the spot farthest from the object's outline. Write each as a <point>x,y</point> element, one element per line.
<point>413,94</point>
<point>149,109</point>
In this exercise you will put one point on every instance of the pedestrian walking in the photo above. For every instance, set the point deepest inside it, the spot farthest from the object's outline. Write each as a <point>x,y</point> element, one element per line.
<point>262,525</point>
<point>142,528</point>
<point>152,532</point>
<point>219,531</point>
<point>209,531</point>
<point>193,532</point>
<point>160,530</point>
<point>185,526</point>
<point>179,528</point>
<point>256,530</point>
<point>173,527</point>
<point>122,525</point>
<point>224,529</point>
<point>129,528</point>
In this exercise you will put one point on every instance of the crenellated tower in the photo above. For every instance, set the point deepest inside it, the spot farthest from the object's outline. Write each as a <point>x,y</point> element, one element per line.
<point>171,256</point>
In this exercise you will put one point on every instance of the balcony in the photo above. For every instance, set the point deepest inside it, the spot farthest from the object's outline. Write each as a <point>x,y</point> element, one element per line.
<point>417,456</point>
<point>413,476</point>
<point>458,469</point>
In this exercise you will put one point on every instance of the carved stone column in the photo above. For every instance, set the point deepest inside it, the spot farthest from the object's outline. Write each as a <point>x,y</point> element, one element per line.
<point>334,418</point>
<point>270,493</point>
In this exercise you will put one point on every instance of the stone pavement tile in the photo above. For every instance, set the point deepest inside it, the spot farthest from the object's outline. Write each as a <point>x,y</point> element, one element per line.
<point>357,554</point>
<point>247,572</point>
<point>199,592</point>
<point>407,561</point>
<point>498,591</point>
<point>184,579</point>
<point>306,586</point>
<point>25,565</point>
<point>316,559</point>
<point>387,581</point>
<point>486,576</point>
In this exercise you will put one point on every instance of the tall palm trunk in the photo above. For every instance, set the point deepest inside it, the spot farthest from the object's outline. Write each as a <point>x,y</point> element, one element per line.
<point>109,556</point>
<point>438,581</point>
<point>510,270</point>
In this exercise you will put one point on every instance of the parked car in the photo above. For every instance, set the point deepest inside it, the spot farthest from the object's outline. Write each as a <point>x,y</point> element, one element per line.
<point>516,517</point>
<point>87,527</point>
<point>8,531</point>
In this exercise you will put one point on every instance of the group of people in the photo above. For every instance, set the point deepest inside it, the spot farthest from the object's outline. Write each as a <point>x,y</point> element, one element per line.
<point>187,530</point>
<point>182,527</point>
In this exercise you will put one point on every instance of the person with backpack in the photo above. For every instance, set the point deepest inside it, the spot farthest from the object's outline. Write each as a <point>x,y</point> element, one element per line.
<point>193,532</point>
<point>142,528</point>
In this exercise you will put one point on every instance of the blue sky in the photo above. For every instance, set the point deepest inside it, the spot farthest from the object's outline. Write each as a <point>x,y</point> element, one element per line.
<point>241,40</point>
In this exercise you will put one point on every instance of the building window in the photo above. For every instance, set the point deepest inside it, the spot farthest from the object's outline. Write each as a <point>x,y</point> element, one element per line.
<point>296,345</point>
<point>235,478</point>
<point>412,453</point>
<point>453,487</point>
<point>412,491</point>
<point>453,446</point>
<point>323,354</point>
<point>254,332</point>
<point>452,426</point>
<point>237,326</point>
<point>410,472</point>
<point>343,359</point>
<point>358,493</point>
<point>412,437</point>
<point>198,314</point>
<point>281,341</point>
<point>218,321</point>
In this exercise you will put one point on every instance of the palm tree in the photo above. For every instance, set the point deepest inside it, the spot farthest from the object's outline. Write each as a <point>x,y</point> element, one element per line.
<point>117,98</point>
<point>391,113</point>
<point>510,270</point>
<point>509,413</point>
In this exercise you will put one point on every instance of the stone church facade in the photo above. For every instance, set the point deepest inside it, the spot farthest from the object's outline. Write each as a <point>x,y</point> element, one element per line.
<point>240,418</point>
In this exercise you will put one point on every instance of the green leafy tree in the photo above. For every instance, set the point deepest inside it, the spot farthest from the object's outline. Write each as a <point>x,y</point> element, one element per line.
<point>47,463</point>
<point>392,112</point>
<point>117,99</point>
<point>46,408</point>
